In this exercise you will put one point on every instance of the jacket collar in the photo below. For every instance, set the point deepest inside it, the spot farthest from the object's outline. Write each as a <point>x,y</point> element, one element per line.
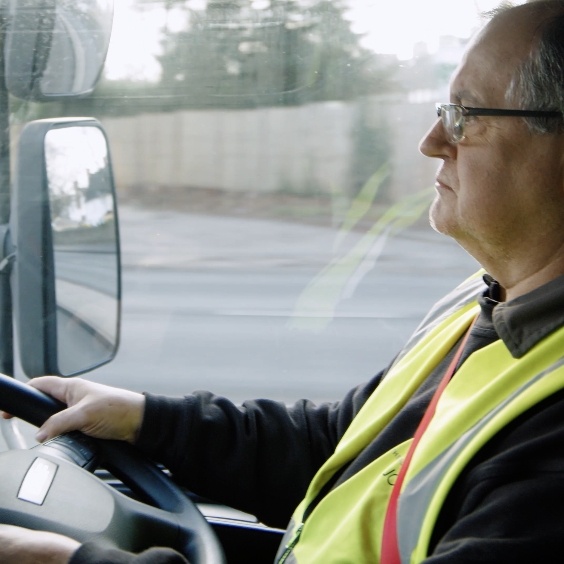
<point>524,321</point>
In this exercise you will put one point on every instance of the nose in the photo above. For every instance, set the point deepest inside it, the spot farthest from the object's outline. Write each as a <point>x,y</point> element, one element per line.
<point>436,144</point>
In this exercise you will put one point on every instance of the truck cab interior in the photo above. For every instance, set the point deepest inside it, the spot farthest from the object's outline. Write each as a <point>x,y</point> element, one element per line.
<point>207,194</point>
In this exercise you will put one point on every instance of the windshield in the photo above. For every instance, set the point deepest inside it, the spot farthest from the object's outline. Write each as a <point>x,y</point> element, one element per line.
<point>272,200</point>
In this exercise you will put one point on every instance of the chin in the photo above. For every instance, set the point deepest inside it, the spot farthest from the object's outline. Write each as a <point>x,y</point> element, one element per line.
<point>437,219</point>
<point>443,219</point>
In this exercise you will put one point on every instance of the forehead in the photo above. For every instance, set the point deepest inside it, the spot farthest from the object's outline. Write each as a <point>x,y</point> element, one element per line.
<point>491,59</point>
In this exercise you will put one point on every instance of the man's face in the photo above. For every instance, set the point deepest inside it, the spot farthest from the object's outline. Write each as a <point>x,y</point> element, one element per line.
<point>500,191</point>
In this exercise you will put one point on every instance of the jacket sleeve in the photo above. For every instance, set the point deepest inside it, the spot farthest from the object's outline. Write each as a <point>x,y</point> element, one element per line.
<point>258,457</point>
<point>93,553</point>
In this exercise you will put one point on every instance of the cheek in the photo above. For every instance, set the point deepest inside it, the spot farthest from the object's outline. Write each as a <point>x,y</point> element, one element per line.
<point>499,199</point>
<point>484,197</point>
<point>504,186</point>
<point>478,187</point>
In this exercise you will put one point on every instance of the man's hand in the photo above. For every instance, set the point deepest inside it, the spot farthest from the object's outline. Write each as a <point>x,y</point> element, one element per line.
<point>96,410</point>
<point>24,546</point>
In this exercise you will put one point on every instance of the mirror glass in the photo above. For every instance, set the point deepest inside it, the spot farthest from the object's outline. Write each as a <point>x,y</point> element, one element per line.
<point>56,48</point>
<point>85,246</point>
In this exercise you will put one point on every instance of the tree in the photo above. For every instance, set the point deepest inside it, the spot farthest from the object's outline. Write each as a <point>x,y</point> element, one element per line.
<point>289,52</point>
<point>233,54</point>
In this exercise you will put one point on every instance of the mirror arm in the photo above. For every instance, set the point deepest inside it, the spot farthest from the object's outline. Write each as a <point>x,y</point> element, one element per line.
<point>7,256</point>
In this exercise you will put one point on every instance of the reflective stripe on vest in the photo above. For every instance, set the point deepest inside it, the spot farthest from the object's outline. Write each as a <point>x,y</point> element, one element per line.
<point>487,393</point>
<point>423,496</point>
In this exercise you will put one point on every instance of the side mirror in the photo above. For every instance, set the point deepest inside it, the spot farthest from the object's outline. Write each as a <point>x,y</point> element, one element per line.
<point>66,283</point>
<point>56,48</point>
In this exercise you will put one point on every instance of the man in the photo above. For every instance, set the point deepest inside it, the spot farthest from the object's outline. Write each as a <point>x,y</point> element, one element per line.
<point>480,385</point>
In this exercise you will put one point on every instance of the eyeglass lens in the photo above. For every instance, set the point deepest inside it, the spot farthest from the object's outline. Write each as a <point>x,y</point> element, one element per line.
<point>453,122</point>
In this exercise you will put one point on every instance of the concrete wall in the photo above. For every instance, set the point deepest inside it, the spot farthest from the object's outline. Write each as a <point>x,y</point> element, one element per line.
<point>295,149</point>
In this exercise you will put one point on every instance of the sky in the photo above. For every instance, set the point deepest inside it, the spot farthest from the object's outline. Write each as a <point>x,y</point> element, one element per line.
<point>409,21</point>
<point>394,29</point>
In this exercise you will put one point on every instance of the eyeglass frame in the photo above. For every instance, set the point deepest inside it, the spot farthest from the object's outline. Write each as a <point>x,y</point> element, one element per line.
<point>469,111</point>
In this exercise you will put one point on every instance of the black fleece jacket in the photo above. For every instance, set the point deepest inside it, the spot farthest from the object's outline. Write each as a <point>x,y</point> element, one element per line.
<point>508,506</point>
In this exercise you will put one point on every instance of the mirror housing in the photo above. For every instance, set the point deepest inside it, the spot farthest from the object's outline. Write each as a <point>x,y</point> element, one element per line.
<point>66,277</point>
<point>56,48</point>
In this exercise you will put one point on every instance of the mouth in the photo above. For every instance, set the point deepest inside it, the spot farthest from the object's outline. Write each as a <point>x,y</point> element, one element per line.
<point>441,185</point>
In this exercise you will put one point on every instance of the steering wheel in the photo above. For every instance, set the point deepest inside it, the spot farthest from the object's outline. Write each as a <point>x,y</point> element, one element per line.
<point>47,488</point>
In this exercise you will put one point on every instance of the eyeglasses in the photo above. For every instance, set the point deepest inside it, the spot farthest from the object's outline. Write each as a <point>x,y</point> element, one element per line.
<point>453,117</point>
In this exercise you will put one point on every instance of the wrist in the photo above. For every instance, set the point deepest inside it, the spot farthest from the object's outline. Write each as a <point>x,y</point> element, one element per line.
<point>135,417</point>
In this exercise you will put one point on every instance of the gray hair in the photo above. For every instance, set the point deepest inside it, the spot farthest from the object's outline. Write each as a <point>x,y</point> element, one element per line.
<point>538,82</point>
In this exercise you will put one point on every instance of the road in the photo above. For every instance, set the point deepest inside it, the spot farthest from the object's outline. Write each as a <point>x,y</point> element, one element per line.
<point>256,308</point>
<point>251,308</point>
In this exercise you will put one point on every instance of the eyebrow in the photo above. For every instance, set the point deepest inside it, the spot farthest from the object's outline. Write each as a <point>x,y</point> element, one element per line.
<point>467,96</point>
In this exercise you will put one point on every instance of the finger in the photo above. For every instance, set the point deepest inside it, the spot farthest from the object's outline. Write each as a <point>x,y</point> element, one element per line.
<point>5,415</point>
<point>69,419</point>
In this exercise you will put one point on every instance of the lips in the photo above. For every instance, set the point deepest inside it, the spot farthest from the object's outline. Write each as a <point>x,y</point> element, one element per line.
<point>442,185</point>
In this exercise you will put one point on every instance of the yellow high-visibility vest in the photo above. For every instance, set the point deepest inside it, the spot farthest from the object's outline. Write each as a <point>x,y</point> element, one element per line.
<point>489,391</point>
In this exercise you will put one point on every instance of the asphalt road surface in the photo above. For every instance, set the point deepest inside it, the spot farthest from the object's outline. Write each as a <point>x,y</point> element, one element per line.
<point>250,308</point>
<point>253,308</point>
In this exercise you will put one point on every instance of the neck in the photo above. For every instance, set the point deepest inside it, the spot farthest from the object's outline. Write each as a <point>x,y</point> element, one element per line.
<point>520,275</point>
<point>513,288</point>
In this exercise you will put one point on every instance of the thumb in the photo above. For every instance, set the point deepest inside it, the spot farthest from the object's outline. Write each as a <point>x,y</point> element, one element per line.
<point>54,386</point>
<point>62,390</point>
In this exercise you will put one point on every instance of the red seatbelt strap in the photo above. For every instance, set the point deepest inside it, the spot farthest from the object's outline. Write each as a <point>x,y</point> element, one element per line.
<point>390,549</point>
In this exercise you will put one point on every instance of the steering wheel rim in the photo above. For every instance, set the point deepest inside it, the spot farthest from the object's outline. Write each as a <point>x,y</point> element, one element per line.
<point>198,541</point>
